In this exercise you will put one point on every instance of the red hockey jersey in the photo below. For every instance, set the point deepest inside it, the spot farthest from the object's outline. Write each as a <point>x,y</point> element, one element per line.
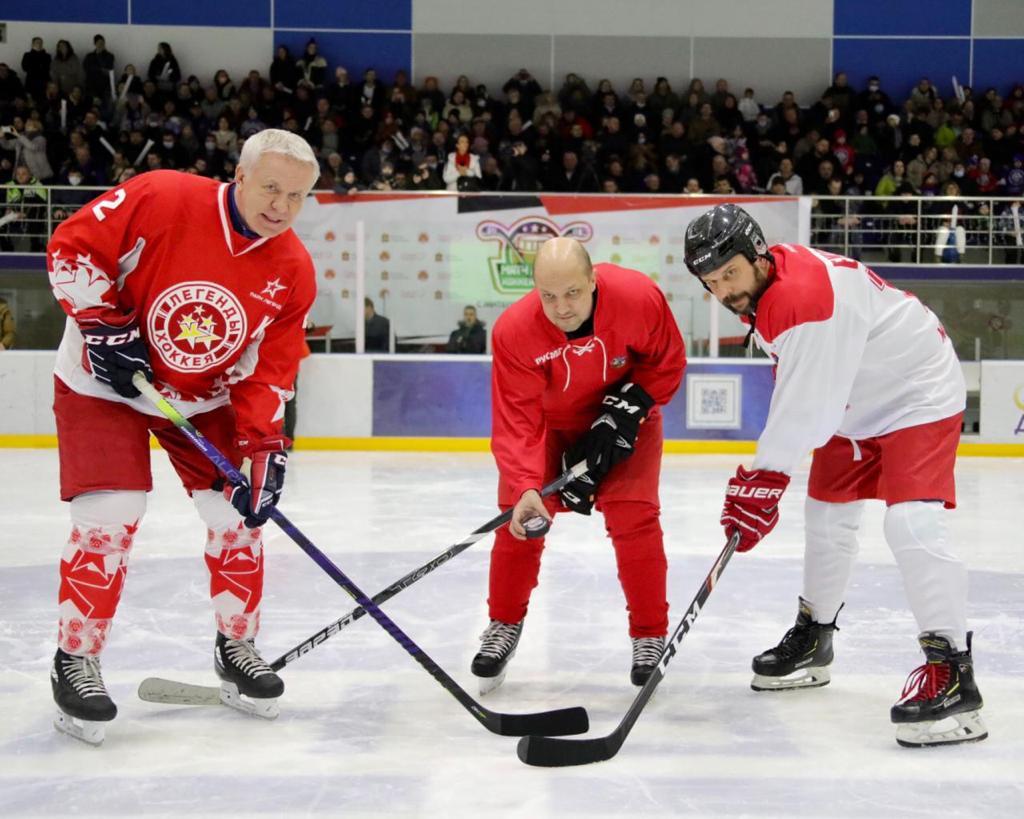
<point>540,379</point>
<point>222,315</point>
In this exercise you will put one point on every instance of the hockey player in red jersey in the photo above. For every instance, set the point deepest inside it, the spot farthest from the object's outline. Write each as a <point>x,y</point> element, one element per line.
<point>867,378</point>
<point>581,367</point>
<point>204,288</point>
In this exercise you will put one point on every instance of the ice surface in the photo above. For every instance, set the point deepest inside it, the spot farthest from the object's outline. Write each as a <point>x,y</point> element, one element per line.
<point>364,731</point>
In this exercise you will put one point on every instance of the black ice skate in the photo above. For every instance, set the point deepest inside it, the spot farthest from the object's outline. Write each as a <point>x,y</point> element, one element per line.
<point>245,674</point>
<point>646,653</point>
<point>801,660</point>
<point>940,703</point>
<point>81,697</point>
<point>498,646</point>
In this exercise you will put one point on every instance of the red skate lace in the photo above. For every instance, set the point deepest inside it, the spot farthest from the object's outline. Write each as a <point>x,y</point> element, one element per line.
<point>928,680</point>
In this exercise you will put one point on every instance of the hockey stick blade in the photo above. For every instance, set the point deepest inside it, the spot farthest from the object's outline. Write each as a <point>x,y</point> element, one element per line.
<point>550,722</point>
<point>170,692</point>
<point>561,722</point>
<point>552,752</point>
<point>548,752</point>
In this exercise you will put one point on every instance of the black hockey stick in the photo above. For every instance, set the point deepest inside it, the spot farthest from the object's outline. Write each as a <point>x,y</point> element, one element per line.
<point>551,752</point>
<point>562,721</point>
<point>403,583</point>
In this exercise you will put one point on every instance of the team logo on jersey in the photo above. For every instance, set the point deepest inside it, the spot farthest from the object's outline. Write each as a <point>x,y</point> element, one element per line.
<point>512,266</point>
<point>272,287</point>
<point>196,326</point>
<point>619,361</point>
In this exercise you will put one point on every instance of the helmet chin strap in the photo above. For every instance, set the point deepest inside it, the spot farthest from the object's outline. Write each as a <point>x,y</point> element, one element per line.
<point>754,302</point>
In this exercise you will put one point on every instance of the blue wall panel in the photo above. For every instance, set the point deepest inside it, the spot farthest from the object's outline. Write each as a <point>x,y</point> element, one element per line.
<point>68,11</point>
<point>901,63</point>
<point>357,52</point>
<point>432,398</point>
<point>909,17</point>
<point>321,14</point>
<point>238,13</point>
<point>453,399</point>
<point>998,63</point>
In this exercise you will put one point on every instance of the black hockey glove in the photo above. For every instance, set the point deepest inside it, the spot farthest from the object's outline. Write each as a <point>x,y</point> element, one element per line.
<point>578,494</point>
<point>612,436</point>
<point>112,354</point>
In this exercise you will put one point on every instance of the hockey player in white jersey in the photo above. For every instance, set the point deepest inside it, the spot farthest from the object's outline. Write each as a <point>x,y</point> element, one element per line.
<point>867,378</point>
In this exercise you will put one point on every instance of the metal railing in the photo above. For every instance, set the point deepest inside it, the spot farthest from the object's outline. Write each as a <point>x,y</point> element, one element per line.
<point>892,229</point>
<point>29,214</point>
<point>919,229</point>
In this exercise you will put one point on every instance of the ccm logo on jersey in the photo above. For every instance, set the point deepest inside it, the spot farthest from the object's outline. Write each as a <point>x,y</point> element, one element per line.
<point>113,341</point>
<point>754,492</point>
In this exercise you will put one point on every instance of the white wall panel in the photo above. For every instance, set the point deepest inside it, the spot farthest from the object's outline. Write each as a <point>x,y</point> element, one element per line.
<point>491,60</point>
<point>335,397</point>
<point>738,18</point>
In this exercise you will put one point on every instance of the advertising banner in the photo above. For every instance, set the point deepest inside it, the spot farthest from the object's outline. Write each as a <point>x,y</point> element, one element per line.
<point>1002,401</point>
<point>429,255</point>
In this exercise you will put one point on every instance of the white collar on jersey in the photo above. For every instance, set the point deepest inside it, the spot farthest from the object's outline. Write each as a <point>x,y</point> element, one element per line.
<point>225,223</point>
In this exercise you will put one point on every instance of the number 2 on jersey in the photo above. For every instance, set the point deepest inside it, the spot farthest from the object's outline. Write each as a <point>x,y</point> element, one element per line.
<point>108,204</point>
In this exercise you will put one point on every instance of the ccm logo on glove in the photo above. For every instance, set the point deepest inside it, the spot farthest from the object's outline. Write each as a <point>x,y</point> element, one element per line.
<point>114,340</point>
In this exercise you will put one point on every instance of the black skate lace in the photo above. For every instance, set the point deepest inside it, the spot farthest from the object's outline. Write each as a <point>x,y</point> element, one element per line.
<point>246,659</point>
<point>83,673</point>
<point>499,638</point>
<point>647,650</point>
<point>796,641</point>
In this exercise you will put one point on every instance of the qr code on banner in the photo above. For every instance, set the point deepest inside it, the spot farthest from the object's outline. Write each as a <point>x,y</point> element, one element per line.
<point>713,401</point>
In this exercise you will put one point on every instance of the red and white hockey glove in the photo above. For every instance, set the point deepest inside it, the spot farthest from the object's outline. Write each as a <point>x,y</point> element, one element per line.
<point>256,499</point>
<point>752,505</point>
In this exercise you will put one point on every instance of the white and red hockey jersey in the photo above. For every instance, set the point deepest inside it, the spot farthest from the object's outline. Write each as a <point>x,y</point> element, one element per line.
<point>222,315</point>
<point>854,357</point>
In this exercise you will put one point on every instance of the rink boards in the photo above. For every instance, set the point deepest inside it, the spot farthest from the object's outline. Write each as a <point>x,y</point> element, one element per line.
<point>443,403</point>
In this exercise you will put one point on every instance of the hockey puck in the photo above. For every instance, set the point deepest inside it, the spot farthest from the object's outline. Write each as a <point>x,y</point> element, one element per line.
<point>536,527</point>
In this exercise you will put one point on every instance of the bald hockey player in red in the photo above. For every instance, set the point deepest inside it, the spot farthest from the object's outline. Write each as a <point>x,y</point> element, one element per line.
<point>582,366</point>
<point>204,288</point>
<point>867,378</point>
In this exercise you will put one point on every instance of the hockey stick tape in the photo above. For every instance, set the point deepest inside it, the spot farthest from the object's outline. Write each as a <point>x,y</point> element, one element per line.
<point>536,526</point>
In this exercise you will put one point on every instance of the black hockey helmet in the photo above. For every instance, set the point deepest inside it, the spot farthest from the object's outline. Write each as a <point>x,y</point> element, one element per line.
<point>719,234</point>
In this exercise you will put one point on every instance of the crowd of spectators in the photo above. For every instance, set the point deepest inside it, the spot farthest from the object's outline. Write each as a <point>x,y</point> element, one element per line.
<point>94,121</point>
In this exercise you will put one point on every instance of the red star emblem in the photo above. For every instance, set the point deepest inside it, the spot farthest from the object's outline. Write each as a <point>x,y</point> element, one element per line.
<point>238,572</point>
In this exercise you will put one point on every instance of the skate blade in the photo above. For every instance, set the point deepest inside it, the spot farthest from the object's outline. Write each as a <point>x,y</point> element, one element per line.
<point>264,709</point>
<point>801,678</point>
<point>952,730</point>
<point>489,684</point>
<point>88,731</point>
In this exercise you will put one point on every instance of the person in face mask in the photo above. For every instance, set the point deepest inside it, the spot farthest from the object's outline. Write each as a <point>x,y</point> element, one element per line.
<point>213,157</point>
<point>64,202</point>
<point>874,100</point>
<point>172,154</point>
